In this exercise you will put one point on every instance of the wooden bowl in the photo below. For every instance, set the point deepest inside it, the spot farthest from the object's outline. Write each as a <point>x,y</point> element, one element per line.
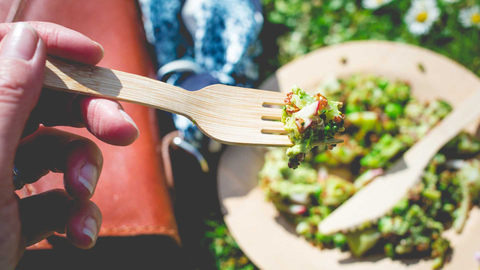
<point>263,234</point>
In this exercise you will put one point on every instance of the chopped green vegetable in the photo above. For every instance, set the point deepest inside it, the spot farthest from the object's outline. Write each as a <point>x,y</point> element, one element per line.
<point>365,120</point>
<point>360,242</point>
<point>382,152</point>
<point>339,240</point>
<point>393,110</point>
<point>469,180</point>
<point>384,121</point>
<point>336,191</point>
<point>309,119</point>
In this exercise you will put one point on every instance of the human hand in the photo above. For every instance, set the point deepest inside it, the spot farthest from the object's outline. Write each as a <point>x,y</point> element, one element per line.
<point>37,150</point>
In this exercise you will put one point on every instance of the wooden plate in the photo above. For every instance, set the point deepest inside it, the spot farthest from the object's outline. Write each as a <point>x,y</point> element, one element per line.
<point>263,234</point>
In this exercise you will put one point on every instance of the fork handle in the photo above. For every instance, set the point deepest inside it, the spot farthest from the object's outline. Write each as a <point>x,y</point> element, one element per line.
<point>108,83</point>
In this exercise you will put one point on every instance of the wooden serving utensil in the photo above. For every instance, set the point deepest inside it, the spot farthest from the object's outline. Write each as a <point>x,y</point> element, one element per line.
<point>230,115</point>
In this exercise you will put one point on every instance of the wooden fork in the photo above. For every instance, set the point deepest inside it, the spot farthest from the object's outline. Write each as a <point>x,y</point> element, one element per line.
<point>230,115</point>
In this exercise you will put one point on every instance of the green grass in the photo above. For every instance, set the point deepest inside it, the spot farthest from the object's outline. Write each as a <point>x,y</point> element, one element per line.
<point>226,252</point>
<point>312,24</point>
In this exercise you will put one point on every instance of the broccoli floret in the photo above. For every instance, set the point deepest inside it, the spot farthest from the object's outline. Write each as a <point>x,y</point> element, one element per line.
<point>382,152</point>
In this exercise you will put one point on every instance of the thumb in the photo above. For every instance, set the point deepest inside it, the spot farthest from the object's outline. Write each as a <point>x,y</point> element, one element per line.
<point>22,66</point>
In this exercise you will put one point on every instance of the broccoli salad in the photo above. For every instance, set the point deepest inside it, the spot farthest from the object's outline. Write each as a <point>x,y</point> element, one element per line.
<point>383,121</point>
<point>309,119</point>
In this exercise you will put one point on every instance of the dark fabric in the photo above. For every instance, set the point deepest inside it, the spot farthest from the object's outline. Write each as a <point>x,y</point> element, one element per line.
<point>198,81</point>
<point>141,252</point>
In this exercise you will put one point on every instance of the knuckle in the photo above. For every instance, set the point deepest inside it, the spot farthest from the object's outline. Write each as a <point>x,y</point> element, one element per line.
<point>14,80</point>
<point>85,147</point>
<point>84,144</point>
<point>51,36</point>
<point>96,123</point>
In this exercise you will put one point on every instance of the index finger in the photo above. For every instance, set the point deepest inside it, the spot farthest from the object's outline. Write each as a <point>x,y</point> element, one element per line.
<point>105,119</point>
<point>64,43</point>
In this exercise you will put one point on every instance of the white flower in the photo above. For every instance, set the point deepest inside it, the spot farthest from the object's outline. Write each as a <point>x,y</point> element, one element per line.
<point>421,16</point>
<point>374,4</point>
<point>469,17</point>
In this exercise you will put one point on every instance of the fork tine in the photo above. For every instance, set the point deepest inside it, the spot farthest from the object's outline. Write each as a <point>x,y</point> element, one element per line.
<point>250,136</point>
<point>276,140</point>
<point>273,131</point>
<point>273,98</point>
<point>273,127</point>
<point>271,114</point>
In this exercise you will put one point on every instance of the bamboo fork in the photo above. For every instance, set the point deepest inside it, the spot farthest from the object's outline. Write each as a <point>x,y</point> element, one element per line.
<point>230,115</point>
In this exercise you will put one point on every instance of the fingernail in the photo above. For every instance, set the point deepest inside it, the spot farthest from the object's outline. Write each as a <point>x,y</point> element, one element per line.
<point>90,228</point>
<point>101,47</point>
<point>20,42</point>
<point>88,176</point>
<point>129,119</point>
